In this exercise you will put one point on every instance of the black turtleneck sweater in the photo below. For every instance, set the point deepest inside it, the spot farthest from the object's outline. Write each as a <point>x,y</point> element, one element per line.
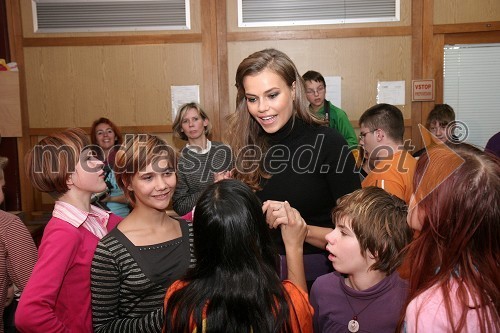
<point>311,170</point>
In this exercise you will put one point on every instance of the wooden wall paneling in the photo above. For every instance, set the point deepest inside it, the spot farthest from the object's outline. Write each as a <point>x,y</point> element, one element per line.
<point>17,55</point>
<point>210,64</point>
<point>318,34</point>
<point>465,11</point>
<point>361,62</point>
<point>40,132</point>
<point>438,65</point>
<point>417,60</point>
<point>10,105</point>
<point>428,51</point>
<point>473,38</point>
<point>113,40</point>
<point>35,196</point>
<point>223,72</point>
<point>465,28</point>
<point>14,28</point>
<point>130,84</point>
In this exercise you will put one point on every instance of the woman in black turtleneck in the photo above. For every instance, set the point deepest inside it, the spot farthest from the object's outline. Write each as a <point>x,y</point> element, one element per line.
<point>283,153</point>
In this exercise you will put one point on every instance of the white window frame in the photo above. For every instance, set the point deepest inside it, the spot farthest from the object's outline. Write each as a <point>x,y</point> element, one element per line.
<point>37,29</point>
<point>306,3</point>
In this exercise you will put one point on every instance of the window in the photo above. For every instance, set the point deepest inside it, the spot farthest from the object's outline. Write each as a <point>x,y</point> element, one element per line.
<point>110,15</point>
<point>471,81</point>
<point>261,13</point>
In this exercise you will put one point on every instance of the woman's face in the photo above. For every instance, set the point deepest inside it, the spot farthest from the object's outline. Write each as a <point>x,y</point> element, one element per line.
<point>105,136</point>
<point>193,125</point>
<point>269,99</point>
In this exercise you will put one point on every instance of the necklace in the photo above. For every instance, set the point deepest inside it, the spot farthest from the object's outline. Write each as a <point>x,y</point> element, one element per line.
<point>353,324</point>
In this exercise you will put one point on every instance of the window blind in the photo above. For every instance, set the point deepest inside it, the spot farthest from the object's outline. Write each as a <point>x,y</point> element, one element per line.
<point>260,13</point>
<point>472,88</point>
<point>110,15</point>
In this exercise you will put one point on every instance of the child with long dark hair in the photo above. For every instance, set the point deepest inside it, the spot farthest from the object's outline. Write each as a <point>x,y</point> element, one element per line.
<point>234,286</point>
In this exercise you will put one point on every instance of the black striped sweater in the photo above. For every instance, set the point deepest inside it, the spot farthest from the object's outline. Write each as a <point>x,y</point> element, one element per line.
<point>127,292</point>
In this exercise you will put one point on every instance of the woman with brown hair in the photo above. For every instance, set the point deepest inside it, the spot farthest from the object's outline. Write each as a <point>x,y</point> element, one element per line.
<point>106,135</point>
<point>284,154</point>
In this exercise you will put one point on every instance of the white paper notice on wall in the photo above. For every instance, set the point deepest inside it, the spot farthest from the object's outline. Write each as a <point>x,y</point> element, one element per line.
<point>183,94</point>
<point>391,92</point>
<point>334,90</point>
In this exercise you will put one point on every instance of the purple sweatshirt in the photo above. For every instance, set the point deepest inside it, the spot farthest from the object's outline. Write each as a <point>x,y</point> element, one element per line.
<point>378,308</point>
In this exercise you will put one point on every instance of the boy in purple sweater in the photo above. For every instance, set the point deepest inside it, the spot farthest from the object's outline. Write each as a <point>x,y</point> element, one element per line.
<point>365,293</point>
<point>57,296</point>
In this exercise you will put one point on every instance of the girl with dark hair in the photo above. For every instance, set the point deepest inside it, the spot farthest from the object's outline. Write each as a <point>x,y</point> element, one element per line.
<point>282,151</point>
<point>234,286</point>
<point>454,275</point>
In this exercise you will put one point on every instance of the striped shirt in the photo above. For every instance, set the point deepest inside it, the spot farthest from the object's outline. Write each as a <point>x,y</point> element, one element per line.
<point>195,171</point>
<point>128,282</point>
<point>17,255</point>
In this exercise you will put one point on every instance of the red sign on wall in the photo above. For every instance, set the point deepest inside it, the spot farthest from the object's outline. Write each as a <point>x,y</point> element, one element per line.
<point>422,90</point>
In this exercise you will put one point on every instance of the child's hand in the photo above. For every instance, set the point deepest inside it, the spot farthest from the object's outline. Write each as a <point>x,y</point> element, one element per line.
<point>275,213</point>
<point>294,232</point>
<point>218,176</point>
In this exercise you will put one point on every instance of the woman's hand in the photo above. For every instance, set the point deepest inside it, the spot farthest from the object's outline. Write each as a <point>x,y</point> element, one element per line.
<point>218,176</point>
<point>275,213</point>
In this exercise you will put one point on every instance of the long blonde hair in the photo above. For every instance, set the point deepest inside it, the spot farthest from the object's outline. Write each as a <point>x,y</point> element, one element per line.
<point>244,131</point>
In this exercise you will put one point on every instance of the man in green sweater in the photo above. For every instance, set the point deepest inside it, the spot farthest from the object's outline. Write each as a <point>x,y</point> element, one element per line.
<point>316,91</point>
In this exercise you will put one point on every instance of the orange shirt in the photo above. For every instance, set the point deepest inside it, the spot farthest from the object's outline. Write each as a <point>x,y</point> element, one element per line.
<point>301,312</point>
<point>395,175</point>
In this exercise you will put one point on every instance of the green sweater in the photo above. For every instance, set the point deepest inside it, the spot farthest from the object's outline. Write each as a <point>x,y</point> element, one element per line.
<point>340,121</point>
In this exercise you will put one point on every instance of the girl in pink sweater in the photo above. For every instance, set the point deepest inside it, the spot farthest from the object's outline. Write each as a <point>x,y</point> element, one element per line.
<point>454,273</point>
<point>57,296</point>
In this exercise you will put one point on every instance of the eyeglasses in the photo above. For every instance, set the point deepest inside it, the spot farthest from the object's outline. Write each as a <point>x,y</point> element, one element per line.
<point>362,135</point>
<point>317,91</point>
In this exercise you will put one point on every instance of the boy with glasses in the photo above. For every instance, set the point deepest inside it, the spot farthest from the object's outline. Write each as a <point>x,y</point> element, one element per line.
<point>316,91</point>
<point>381,136</point>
